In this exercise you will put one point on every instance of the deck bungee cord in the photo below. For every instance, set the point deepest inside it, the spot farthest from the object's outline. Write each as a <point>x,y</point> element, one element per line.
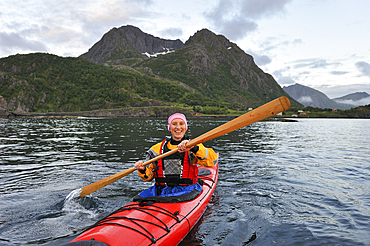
<point>108,220</point>
<point>147,208</point>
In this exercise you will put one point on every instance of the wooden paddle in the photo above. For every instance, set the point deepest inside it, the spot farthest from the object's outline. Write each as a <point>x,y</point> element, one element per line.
<point>269,109</point>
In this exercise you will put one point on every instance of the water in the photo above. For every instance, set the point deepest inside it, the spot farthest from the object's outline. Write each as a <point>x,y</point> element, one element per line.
<point>281,183</point>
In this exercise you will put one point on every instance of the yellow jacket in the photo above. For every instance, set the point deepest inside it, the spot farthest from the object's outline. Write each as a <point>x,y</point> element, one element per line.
<point>203,156</point>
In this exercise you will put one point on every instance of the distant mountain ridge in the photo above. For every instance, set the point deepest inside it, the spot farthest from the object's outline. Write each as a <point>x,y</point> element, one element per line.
<point>354,99</point>
<point>314,98</point>
<point>353,96</point>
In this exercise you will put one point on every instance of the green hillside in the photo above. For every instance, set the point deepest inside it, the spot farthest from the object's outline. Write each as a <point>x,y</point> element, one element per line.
<point>48,83</point>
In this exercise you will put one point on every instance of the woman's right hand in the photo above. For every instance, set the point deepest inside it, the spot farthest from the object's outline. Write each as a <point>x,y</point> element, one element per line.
<point>139,165</point>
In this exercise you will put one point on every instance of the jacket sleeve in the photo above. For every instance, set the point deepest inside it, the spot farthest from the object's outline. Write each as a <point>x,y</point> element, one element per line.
<point>206,157</point>
<point>148,174</point>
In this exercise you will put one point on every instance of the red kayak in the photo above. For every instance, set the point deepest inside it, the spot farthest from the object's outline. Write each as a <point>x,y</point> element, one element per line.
<point>152,222</point>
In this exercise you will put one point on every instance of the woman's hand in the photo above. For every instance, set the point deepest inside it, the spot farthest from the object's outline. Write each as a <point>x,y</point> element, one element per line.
<point>139,165</point>
<point>182,146</point>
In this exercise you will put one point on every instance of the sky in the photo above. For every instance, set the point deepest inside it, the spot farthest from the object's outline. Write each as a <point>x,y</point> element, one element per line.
<point>323,44</point>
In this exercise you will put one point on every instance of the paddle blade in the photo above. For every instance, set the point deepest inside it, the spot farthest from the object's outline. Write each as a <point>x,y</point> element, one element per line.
<point>104,182</point>
<point>269,109</point>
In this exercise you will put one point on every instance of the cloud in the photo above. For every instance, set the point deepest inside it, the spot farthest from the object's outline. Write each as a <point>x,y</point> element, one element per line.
<point>311,63</point>
<point>103,16</point>
<point>286,80</point>
<point>338,72</point>
<point>270,44</point>
<point>297,41</point>
<point>260,60</point>
<point>263,8</point>
<point>277,73</point>
<point>237,28</point>
<point>361,102</point>
<point>65,25</point>
<point>236,19</point>
<point>281,79</point>
<point>364,68</point>
<point>13,42</point>
<point>305,99</point>
<point>314,63</point>
<point>267,47</point>
<point>364,101</point>
<point>172,32</point>
<point>147,2</point>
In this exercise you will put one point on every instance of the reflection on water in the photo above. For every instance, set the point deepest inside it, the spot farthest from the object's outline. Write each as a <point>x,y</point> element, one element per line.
<point>300,183</point>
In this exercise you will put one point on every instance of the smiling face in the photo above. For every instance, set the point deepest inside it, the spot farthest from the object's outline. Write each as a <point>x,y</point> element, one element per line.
<point>177,129</point>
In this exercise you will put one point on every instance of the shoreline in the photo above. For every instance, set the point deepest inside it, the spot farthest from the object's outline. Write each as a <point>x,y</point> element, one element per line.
<point>189,116</point>
<point>155,112</point>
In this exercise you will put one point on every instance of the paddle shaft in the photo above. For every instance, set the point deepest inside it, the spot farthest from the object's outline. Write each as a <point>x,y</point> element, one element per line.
<point>269,109</point>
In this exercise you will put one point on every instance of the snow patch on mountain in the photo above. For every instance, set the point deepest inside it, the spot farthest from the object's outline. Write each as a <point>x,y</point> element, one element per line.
<point>165,51</point>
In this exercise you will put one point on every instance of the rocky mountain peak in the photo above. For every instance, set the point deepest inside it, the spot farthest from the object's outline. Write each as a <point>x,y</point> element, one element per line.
<point>202,36</point>
<point>208,63</point>
<point>129,42</point>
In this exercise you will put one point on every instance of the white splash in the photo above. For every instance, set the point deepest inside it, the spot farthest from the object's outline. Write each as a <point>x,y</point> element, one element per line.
<point>72,205</point>
<point>73,194</point>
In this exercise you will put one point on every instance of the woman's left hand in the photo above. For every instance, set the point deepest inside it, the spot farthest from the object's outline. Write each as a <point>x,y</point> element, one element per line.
<point>182,146</point>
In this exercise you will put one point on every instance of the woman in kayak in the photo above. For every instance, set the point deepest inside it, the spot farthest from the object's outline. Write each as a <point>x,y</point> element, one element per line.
<point>176,173</point>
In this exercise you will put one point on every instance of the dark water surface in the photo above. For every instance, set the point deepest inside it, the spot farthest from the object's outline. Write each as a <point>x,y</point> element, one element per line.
<point>298,183</point>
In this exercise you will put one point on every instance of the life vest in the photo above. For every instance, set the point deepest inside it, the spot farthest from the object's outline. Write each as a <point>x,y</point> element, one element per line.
<point>175,169</point>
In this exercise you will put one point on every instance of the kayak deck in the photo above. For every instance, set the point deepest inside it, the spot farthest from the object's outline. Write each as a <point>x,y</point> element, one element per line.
<point>148,223</point>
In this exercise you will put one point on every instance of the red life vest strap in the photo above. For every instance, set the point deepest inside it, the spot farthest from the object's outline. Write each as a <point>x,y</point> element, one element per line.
<point>189,172</point>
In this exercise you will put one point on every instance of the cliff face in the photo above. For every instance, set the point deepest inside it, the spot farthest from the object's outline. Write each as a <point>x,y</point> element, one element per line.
<point>3,107</point>
<point>23,99</point>
<point>129,42</point>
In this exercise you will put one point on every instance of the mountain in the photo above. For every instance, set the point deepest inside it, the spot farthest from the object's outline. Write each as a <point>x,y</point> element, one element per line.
<point>314,98</point>
<point>354,99</point>
<point>123,70</point>
<point>120,44</point>
<point>211,64</point>
<point>207,63</point>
